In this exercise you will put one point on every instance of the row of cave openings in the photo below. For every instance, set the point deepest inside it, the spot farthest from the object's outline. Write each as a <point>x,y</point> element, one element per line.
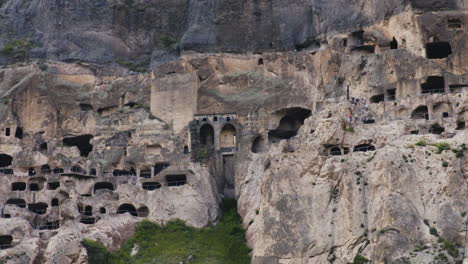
<point>87,216</point>
<point>38,184</point>
<point>335,150</point>
<point>434,50</point>
<point>432,85</point>
<point>422,112</point>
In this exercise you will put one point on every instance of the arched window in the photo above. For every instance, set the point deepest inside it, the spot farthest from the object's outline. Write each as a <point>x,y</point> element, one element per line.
<point>228,133</point>
<point>207,135</point>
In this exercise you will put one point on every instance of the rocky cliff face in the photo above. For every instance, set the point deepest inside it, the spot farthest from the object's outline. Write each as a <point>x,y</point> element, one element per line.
<point>339,127</point>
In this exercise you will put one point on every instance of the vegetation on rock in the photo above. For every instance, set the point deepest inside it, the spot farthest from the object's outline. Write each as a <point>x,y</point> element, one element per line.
<point>176,242</point>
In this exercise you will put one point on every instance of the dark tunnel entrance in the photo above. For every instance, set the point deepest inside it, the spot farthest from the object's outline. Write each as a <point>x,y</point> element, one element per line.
<point>438,50</point>
<point>5,160</point>
<point>81,142</point>
<point>288,126</point>
<point>5,242</point>
<point>103,186</point>
<point>124,208</point>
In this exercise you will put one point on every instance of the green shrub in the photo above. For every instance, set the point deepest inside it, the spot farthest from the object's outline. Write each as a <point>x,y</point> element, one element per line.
<point>168,42</point>
<point>433,231</point>
<point>421,143</point>
<point>358,259</point>
<point>19,45</point>
<point>451,249</point>
<point>97,253</point>
<point>445,164</point>
<point>441,146</point>
<point>175,241</point>
<point>349,129</point>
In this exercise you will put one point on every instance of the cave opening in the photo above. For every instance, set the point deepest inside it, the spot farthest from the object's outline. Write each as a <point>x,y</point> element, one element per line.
<point>377,98</point>
<point>88,220</point>
<point>54,202</point>
<point>421,112</point>
<point>391,94</point>
<point>364,148</point>
<point>454,23</point>
<point>92,172</point>
<point>5,160</point>
<point>81,142</point>
<point>122,173</point>
<point>436,129</point>
<point>102,210</point>
<point>289,125</point>
<point>145,173</point>
<point>258,145</point>
<point>38,208</point>
<point>127,208</point>
<point>45,169</point>
<point>19,133</point>
<point>394,44</point>
<point>18,186</point>
<point>103,186</point>
<point>460,125</point>
<point>57,171</point>
<point>160,166</point>
<point>43,147</point>
<point>88,210</point>
<point>176,180</point>
<point>143,211</point>
<point>31,172</point>
<point>34,187</point>
<point>86,107</point>
<point>7,131</point>
<point>335,151</point>
<point>5,242</point>
<point>18,202</point>
<point>433,84</point>
<point>151,186</point>
<point>438,50</point>
<point>260,61</point>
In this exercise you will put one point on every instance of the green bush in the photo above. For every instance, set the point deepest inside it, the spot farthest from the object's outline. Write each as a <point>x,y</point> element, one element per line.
<point>441,146</point>
<point>19,45</point>
<point>175,242</point>
<point>421,143</point>
<point>358,259</point>
<point>168,42</point>
<point>445,164</point>
<point>451,249</point>
<point>97,253</point>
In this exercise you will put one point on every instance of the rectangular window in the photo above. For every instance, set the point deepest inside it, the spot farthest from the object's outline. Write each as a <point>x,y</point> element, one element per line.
<point>7,131</point>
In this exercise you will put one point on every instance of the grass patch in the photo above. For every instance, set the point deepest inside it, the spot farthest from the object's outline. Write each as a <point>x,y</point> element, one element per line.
<point>175,242</point>
<point>16,46</point>
<point>168,43</point>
